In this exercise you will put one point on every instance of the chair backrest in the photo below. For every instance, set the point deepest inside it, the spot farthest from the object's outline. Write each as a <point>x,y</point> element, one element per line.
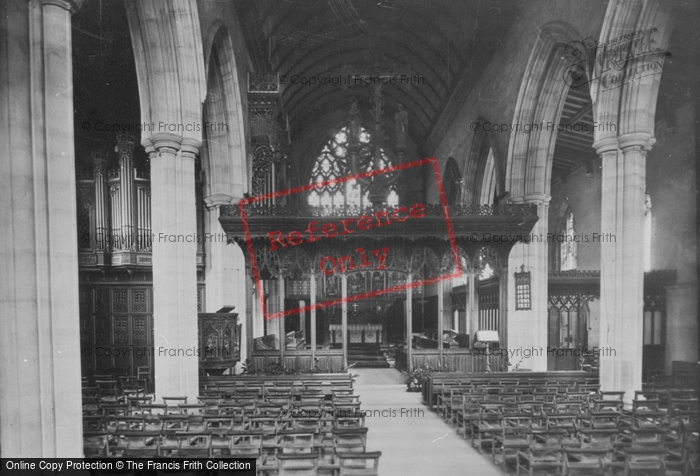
<point>245,442</point>
<point>141,444</point>
<point>297,464</point>
<point>598,438</point>
<point>349,422</point>
<point>359,464</point>
<point>648,461</point>
<point>195,445</point>
<point>349,439</point>
<point>296,441</point>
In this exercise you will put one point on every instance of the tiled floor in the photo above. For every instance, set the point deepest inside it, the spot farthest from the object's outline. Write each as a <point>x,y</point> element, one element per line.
<point>413,440</point>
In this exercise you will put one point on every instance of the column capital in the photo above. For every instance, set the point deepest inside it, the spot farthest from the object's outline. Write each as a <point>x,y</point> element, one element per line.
<point>71,5</point>
<point>214,201</point>
<point>536,198</point>
<point>606,145</point>
<point>190,147</point>
<point>641,141</point>
<point>161,140</point>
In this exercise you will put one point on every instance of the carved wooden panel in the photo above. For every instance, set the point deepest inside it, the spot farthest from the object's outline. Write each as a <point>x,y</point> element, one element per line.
<point>219,341</point>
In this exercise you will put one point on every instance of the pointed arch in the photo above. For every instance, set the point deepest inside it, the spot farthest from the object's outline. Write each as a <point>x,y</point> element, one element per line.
<point>167,43</point>
<point>452,181</point>
<point>224,155</point>
<point>540,101</point>
<point>483,177</point>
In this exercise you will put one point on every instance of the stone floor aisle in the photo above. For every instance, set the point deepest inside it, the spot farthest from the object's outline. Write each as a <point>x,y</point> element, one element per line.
<point>413,440</point>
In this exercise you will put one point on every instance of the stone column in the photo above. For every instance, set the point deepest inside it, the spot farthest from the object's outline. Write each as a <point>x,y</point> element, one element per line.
<point>344,315</point>
<point>174,265</point>
<point>280,320</point>
<point>472,324</point>
<point>40,407</point>
<point>254,327</point>
<point>312,292</point>
<point>621,264</point>
<point>225,268</point>
<point>409,322</point>
<point>527,329</point>
<point>441,317</point>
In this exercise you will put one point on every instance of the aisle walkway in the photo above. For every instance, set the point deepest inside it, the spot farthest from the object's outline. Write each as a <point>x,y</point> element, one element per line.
<point>418,443</point>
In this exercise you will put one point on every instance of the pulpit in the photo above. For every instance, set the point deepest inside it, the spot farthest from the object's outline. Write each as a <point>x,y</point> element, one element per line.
<point>219,341</point>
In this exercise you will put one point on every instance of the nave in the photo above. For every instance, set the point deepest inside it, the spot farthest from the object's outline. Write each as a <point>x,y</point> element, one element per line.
<point>344,424</point>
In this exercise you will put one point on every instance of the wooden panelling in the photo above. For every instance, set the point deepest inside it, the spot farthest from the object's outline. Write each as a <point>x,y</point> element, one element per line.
<point>299,360</point>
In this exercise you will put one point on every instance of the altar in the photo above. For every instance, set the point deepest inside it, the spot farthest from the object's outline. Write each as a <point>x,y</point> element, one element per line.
<point>357,333</point>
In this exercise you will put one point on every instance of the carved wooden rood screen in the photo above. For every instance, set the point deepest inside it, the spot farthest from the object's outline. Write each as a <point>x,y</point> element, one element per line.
<point>326,289</point>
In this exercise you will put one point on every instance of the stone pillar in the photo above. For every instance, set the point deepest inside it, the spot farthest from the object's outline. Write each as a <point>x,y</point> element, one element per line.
<point>280,320</point>
<point>312,291</point>
<point>409,322</point>
<point>527,329</point>
<point>441,317</point>
<point>472,313</point>
<point>225,268</point>
<point>40,407</point>
<point>621,264</point>
<point>174,265</point>
<point>254,327</point>
<point>344,315</point>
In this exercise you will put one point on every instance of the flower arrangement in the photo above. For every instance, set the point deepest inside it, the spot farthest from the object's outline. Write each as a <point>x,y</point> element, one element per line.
<point>417,377</point>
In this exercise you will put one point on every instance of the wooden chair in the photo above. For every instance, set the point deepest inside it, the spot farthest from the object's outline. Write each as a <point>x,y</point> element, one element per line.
<point>141,444</point>
<point>583,461</point>
<point>241,443</point>
<point>544,453</point>
<point>172,404</point>
<point>96,444</point>
<point>359,464</point>
<point>349,440</point>
<point>513,437</point>
<point>465,417</point>
<point>487,426</point>
<point>300,464</point>
<point>645,461</point>
<point>193,445</point>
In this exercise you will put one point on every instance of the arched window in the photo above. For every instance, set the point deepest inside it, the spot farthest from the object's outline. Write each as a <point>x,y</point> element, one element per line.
<point>452,182</point>
<point>488,185</point>
<point>332,164</point>
<point>568,245</point>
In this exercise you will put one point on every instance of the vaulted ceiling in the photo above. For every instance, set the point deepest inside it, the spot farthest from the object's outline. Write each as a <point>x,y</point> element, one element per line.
<point>439,42</point>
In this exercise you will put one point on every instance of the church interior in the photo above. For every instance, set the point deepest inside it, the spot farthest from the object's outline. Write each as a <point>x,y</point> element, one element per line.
<point>299,231</point>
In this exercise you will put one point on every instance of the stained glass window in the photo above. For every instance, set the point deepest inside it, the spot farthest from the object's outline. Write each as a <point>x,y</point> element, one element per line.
<point>332,164</point>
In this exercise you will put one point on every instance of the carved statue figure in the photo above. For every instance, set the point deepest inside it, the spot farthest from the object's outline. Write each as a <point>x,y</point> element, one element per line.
<point>401,122</point>
<point>355,125</point>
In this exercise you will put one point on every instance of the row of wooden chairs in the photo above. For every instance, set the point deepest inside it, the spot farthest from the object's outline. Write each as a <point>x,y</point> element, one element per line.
<point>519,431</point>
<point>295,452</point>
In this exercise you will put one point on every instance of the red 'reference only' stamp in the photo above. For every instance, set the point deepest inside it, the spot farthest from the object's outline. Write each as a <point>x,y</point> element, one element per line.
<point>345,227</point>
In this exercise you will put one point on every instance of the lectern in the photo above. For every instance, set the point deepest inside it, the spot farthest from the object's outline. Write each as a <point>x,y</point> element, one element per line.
<point>219,341</point>
<point>486,340</point>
